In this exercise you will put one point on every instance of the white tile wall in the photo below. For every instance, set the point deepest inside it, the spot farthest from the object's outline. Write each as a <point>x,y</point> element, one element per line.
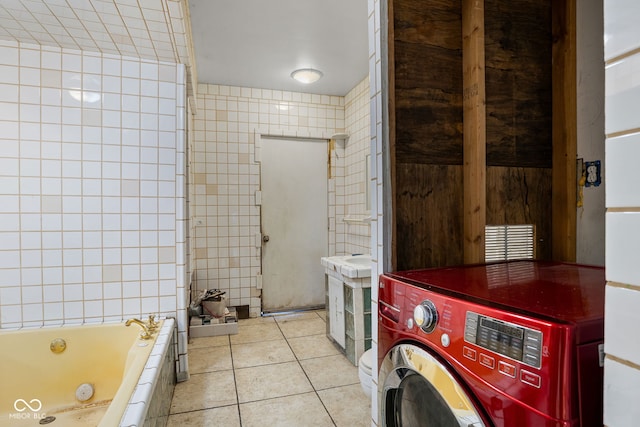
<point>157,30</point>
<point>225,175</point>
<point>620,32</point>
<point>354,237</point>
<point>89,206</point>
<point>620,389</point>
<point>622,91</point>
<point>621,185</point>
<point>622,323</point>
<point>377,193</point>
<point>622,364</point>
<point>623,246</point>
<point>150,29</point>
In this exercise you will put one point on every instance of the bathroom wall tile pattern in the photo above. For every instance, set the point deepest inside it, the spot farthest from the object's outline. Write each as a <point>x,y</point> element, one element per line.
<point>153,30</point>
<point>621,34</point>
<point>93,190</point>
<point>377,190</point>
<point>225,175</point>
<point>622,218</point>
<point>621,95</point>
<point>357,235</point>
<point>622,186</point>
<point>619,394</point>
<point>624,247</point>
<point>621,323</point>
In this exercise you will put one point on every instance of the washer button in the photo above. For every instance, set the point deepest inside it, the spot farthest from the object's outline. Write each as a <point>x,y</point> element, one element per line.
<point>445,340</point>
<point>469,353</point>
<point>530,378</point>
<point>487,361</point>
<point>507,369</point>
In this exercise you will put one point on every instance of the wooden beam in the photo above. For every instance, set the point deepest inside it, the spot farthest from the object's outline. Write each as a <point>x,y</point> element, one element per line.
<point>564,133</point>
<point>474,129</point>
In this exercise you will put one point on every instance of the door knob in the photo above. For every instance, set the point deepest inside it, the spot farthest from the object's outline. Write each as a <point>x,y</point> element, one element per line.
<point>265,238</point>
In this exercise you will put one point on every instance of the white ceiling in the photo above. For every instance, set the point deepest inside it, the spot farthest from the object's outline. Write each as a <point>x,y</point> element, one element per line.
<point>258,43</point>
<point>248,43</point>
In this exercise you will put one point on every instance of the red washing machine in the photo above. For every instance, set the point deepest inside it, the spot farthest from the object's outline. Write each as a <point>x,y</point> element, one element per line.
<point>514,344</point>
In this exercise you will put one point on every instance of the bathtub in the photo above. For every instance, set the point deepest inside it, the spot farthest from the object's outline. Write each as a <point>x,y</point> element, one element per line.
<point>121,373</point>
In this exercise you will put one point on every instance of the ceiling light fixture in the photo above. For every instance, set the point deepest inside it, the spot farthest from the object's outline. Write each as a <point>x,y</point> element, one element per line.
<point>307,75</point>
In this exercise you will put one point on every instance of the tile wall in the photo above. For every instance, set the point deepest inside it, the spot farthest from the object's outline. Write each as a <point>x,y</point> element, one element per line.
<point>378,139</point>
<point>92,175</point>
<point>354,237</point>
<point>622,146</point>
<point>149,29</point>
<point>225,176</point>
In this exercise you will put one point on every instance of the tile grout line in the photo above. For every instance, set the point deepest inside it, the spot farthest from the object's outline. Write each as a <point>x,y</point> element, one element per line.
<point>235,382</point>
<point>305,372</point>
<point>203,409</point>
<point>296,358</point>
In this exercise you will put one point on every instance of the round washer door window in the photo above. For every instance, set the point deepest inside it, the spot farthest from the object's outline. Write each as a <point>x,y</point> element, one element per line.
<point>418,390</point>
<point>418,404</point>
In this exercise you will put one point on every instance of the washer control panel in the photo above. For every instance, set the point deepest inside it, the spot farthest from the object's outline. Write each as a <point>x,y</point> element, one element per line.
<point>510,340</point>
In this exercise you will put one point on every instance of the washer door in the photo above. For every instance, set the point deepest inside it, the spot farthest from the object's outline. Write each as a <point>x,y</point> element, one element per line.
<point>417,390</point>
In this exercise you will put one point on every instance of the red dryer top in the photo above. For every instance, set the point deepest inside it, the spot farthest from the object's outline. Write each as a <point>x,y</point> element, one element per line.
<point>559,292</point>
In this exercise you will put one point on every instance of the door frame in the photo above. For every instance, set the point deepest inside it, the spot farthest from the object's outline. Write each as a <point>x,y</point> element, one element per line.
<point>258,135</point>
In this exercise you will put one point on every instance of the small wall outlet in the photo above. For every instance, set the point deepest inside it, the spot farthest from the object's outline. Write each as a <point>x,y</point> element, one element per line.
<point>592,174</point>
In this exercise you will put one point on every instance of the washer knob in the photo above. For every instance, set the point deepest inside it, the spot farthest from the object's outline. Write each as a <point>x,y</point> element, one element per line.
<point>426,316</point>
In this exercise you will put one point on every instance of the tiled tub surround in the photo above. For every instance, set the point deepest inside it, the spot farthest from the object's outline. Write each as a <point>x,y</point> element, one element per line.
<point>92,178</point>
<point>224,176</point>
<point>122,369</point>
<point>151,400</point>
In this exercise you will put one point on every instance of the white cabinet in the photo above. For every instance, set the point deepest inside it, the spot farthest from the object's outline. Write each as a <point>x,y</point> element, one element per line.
<point>335,310</point>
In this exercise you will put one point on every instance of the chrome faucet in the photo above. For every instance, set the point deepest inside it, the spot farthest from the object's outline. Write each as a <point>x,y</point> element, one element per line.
<point>145,334</point>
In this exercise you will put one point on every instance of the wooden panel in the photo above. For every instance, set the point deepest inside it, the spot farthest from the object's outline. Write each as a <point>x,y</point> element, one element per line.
<point>521,196</point>
<point>564,130</point>
<point>518,82</point>
<point>474,125</point>
<point>428,81</point>
<point>428,215</point>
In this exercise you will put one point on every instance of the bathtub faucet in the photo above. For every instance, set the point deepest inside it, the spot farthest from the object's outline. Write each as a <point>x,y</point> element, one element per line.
<point>145,334</point>
<point>152,324</point>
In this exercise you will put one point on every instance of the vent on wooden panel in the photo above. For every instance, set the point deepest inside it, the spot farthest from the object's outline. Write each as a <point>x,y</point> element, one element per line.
<point>508,242</point>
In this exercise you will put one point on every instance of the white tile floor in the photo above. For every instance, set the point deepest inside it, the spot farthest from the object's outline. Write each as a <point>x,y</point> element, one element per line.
<point>277,371</point>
